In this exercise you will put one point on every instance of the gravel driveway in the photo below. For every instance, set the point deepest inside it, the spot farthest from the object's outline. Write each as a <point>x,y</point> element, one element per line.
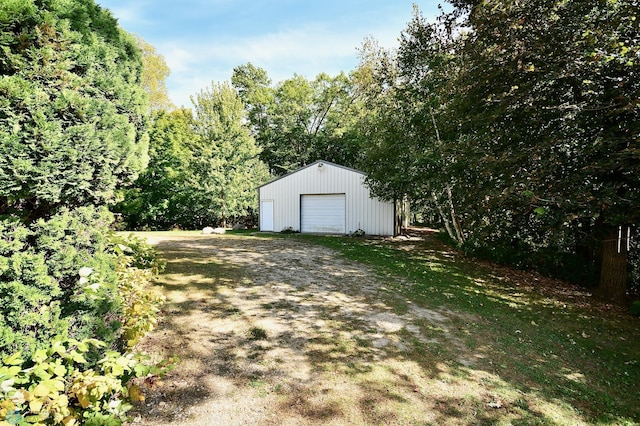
<point>280,332</point>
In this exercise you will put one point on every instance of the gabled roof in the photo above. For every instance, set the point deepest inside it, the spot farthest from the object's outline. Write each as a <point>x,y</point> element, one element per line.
<point>311,165</point>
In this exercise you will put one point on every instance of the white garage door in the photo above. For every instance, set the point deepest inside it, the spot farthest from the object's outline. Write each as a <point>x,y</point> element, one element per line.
<point>323,213</point>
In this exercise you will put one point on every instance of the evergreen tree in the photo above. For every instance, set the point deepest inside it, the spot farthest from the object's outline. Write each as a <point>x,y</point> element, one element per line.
<point>72,126</point>
<point>72,129</point>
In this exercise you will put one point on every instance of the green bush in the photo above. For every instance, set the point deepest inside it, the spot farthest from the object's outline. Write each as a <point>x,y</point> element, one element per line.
<point>141,254</point>
<point>30,312</point>
<point>42,292</point>
<point>73,240</point>
<point>57,385</point>
<point>140,304</point>
<point>68,381</point>
<point>73,129</point>
<point>138,264</point>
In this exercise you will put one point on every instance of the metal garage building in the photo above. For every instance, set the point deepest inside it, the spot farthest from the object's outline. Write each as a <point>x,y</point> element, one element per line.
<point>324,198</point>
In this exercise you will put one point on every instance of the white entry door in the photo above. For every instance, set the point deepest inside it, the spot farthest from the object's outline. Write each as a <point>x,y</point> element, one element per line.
<point>323,213</point>
<point>266,215</point>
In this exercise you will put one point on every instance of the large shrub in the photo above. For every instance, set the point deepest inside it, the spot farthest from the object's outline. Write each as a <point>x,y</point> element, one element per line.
<point>30,313</point>
<point>62,380</point>
<point>57,277</point>
<point>72,109</point>
<point>72,129</point>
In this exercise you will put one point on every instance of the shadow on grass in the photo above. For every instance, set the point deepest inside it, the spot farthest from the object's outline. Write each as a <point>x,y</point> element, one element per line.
<point>556,341</point>
<point>529,359</point>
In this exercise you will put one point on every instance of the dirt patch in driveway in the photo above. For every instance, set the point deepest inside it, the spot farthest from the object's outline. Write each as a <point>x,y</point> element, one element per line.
<point>280,332</point>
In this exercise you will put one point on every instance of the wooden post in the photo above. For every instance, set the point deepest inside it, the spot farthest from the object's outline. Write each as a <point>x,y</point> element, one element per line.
<point>613,275</point>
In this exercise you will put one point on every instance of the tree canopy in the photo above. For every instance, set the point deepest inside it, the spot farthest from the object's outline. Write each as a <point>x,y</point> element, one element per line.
<point>72,124</point>
<point>154,74</point>
<point>225,168</point>
<point>521,119</point>
<point>159,198</point>
<point>298,121</point>
<point>204,167</point>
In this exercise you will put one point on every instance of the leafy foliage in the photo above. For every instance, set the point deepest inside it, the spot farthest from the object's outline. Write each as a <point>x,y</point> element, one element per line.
<point>518,123</point>
<point>225,167</point>
<point>58,386</point>
<point>67,381</point>
<point>138,264</point>
<point>298,121</point>
<point>70,276</point>
<point>203,169</point>
<point>139,253</point>
<point>72,129</point>
<point>154,73</point>
<point>557,138</point>
<point>41,291</point>
<point>160,197</point>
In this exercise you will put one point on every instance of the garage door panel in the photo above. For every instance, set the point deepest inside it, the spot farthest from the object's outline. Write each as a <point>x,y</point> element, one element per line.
<point>323,213</point>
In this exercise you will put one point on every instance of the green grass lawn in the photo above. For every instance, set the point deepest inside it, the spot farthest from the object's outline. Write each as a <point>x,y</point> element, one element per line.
<point>539,336</point>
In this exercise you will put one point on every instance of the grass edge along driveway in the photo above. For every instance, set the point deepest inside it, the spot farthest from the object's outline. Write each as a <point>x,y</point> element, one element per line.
<point>545,352</point>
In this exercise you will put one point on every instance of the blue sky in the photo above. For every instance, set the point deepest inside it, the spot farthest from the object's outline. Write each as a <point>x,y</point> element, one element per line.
<point>203,40</point>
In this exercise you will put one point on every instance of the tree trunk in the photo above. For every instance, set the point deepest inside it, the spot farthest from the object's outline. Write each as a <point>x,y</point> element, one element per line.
<point>613,275</point>
<point>454,217</point>
<point>445,220</point>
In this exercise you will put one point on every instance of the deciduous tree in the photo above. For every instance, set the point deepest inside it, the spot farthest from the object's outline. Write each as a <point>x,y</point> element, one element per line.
<point>298,121</point>
<point>521,120</point>
<point>550,100</point>
<point>154,74</point>
<point>160,198</point>
<point>225,169</point>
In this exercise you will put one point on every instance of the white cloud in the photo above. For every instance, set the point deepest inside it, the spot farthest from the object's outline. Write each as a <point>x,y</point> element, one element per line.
<point>131,15</point>
<point>203,40</point>
<point>307,51</point>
